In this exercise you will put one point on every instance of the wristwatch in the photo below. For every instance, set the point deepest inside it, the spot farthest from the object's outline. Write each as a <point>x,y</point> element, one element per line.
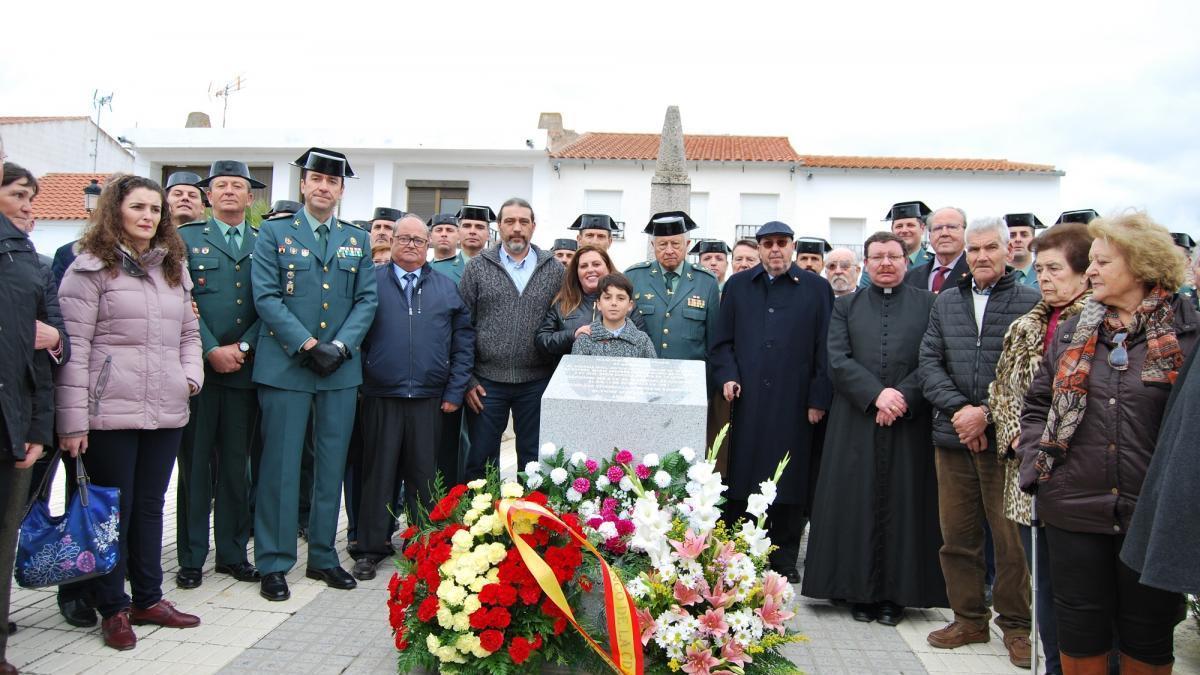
<point>987,413</point>
<point>341,347</point>
<point>244,347</point>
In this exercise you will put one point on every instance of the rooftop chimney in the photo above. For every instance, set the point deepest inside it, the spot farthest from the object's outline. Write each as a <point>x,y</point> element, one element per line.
<point>197,120</point>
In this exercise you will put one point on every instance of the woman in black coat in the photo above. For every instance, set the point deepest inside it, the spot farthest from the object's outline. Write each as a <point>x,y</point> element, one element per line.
<point>574,308</point>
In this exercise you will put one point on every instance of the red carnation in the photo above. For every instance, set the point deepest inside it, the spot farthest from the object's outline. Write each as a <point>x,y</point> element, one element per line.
<point>393,584</point>
<point>458,491</point>
<point>428,609</point>
<point>559,626</point>
<point>537,641</point>
<point>536,497</point>
<point>491,640</point>
<point>585,583</point>
<point>395,616</point>
<point>401,643</point>
<point>506,595</point>
<point>530,594</point>
<point>480,618</point>
<point>487,594</point>
<point>498,617</point>
<point>409,532</point>
<point>519,650</point>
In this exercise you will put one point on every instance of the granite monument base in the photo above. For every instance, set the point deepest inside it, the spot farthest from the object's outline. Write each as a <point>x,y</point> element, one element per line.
<point>596,403</point>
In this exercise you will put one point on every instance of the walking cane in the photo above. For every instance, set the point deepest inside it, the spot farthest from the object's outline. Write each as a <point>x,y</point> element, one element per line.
<point>1033,583</point>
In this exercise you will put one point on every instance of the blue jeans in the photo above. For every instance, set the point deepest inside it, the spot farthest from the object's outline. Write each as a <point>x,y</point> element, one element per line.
<point>524,400</point>
<point>1043,600</point>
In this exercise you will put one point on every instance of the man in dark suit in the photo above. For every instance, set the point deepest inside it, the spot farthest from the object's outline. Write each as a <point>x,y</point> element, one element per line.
<point>949,265</point>
<point>314,288</point>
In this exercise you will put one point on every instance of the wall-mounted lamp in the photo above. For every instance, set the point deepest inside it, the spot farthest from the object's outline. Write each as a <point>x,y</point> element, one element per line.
<point>91,195</point>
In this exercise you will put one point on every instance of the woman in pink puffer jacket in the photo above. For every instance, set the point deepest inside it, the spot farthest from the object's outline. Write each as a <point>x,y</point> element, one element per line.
<point>122,400</point>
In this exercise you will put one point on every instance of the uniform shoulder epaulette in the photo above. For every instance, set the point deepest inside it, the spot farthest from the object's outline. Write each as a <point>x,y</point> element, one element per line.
<point>193,223</point>
<point>645,264</point>
<point>707,271</point>
<point>279,217</point>
<point>349,224</point>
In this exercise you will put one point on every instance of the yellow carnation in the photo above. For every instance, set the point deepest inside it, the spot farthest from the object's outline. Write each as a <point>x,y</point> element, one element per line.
<point>445,617</point>
<point>462,540</point>
<point>462,622</point>
<point>471,516</point>
<point>477,483</point>
<point>482,501</point>
<point>495,552</point>
<point>471,603</point>
<point>431,643</point>
<point>467,643</point>
<point>511,490</point>
<point>477,584</point>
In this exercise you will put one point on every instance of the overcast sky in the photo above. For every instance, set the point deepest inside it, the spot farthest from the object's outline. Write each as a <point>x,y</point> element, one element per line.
<point>1107,91</point>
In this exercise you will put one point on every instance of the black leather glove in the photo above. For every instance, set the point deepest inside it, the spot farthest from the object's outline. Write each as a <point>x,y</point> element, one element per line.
<point>323,359</point>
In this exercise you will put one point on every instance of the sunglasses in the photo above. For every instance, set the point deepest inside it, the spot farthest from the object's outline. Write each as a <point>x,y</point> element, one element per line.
<point>1118,358</point>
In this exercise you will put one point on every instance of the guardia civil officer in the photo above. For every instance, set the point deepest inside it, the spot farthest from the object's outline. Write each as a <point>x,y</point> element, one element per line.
<point>677,300</point>
<point>595,229</point>
<point>220,432</point>
<point>444,237</point>
<point>314,289</point>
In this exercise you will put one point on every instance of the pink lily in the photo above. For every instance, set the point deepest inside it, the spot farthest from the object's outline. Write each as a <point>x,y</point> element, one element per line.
<point>724,554</point>
<point>713,622</point>
<point>699,661</point>
<point>733,653</point>
<point>646,620</point>
<point>686,596</point>
<point>773,614</point>
<point>692,546</point>
<point>718,596</point>
<point>774,585</point>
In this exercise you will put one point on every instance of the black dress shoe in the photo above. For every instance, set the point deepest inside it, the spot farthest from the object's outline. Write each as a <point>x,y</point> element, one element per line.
<point>274,587</point>
<point>334,577</point>
<point>303,532</point>
<point>364,568</point>
<point>242,571</point>
<point>77,612</point>
<point>863,612</point>
<point>12,627</point>
<point>189,577</point>
<point>890,613</point>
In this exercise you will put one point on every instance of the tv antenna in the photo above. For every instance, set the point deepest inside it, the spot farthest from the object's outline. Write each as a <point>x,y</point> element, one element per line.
<point>224,92</point>
<point>98,102</point>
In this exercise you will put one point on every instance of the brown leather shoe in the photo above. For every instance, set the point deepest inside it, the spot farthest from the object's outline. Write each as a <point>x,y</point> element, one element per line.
<point>1131,666</point>
<point>957,634</point>
<point>1085,665</point>
<point>1018,650</point>
<point>117,632</point>
<point>163,613</point>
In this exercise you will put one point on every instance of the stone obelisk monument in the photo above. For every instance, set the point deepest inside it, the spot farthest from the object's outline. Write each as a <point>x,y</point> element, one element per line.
<point>670,188</point>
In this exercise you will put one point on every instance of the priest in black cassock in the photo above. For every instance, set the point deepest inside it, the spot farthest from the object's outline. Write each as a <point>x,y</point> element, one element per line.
<point>875,537</point>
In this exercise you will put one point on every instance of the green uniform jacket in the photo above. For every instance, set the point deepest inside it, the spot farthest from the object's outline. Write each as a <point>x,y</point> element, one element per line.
<point>221,288</point>
<point>451,267</point>
<point>300,294</point>
<point>682,324</point>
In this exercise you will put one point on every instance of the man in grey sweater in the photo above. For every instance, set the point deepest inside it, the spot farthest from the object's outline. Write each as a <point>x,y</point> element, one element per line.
<point>508,289</point>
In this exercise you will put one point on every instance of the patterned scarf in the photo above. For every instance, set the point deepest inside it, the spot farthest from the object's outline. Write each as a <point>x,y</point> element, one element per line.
<point>1069,397</point>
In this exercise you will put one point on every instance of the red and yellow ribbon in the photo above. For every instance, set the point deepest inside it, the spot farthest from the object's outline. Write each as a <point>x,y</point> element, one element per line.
<point>624,635</point>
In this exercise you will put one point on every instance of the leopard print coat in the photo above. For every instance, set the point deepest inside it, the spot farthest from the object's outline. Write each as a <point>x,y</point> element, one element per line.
<point>1019,361</point>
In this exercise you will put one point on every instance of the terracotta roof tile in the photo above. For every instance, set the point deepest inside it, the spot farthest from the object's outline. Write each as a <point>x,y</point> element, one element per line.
<point>603,145</point>
<point>701,148</point>
<point>60,195</point>
<point>30,120</point>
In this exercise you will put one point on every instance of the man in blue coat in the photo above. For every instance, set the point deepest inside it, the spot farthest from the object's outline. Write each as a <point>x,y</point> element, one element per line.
<point>419,355</point>
<point>314,288</point>
<point>770,361</point>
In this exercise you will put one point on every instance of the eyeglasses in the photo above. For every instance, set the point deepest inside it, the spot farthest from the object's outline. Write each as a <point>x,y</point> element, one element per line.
<point>1118,358</point>
<point>889,258</point>
<point>405,240</point>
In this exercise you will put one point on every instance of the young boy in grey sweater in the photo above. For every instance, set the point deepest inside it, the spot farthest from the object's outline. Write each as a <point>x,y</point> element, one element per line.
<point>614,334</point>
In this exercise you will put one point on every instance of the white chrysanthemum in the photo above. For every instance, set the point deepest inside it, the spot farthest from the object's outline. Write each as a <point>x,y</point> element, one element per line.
<point>547,450</point>
<point>533,481</point>
<point>757,505</point>
<point>607,529</point>
<point>573,495</point>
<point>511,490</point>
<point>625,484</point>
<point>578,459</point>
<point>558,475</point>
<point>588,508</point>
<point>602,482</point>
<point>662,479</point>
<point>688,454</point>
<point>533,467</point>
<point>650,460</point>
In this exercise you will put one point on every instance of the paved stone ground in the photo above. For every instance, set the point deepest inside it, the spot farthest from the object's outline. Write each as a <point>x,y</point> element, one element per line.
<point>321,630</point>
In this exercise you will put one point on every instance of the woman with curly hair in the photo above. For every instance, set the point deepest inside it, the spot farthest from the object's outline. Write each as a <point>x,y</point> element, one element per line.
<point>122,399</point>
<point>1088,431</point>
<point>1061,269</point>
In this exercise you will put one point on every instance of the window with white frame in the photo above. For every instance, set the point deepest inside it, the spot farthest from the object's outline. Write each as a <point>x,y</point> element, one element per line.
<point>848,233</point>
<point>698,210</point>
<point>759,208</point>
<point>607,202</point>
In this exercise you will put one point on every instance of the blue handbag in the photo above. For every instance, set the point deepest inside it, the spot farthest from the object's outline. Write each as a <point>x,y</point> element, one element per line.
<point>80,544</point>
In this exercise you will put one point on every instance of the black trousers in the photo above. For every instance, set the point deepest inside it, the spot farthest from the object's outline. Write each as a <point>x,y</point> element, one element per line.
<point>1047,620</point>
<point>1094,592</point>
<point>785,525</point>
<point>14,488</point>
<point>139,462</point>
<point>400,443</point>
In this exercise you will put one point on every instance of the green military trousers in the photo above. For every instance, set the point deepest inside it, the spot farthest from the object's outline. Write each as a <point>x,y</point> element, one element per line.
<point>214,465</point>
<point>277,503</point>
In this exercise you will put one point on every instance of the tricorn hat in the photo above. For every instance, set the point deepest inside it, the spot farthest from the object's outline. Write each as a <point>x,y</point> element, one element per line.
<point>230,167</point>
<point>814,245</point>
<point>1183,240</point>
<point>774,227</point>
<point>386,213</point>
<point>325,161</point>
<point>594,221</point>
<point>186,178</point>
<point>282,206</point>
<point>441,219</point>
<point>907,210</point>
<point>484,213</point>
<point>710,246</point>
<point>1084,216</point>
<point>670,223</point>
<point>1023,220</point>
<point>565,245</point>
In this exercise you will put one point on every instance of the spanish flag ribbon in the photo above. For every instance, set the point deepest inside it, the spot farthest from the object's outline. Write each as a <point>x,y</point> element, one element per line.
<point>623,630</point>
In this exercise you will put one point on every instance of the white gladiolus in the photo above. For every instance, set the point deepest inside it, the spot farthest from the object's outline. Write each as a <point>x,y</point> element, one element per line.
<point>768,489</point>
<point>757,505</point>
